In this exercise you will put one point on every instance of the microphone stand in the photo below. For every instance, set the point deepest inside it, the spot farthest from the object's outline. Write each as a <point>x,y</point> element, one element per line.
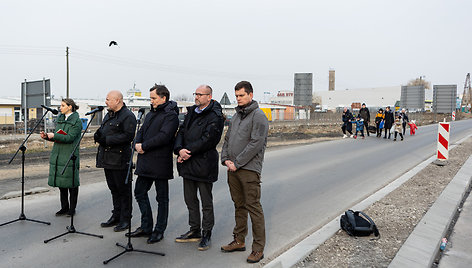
<point>128,182</point>
<point>22,148</point>
<point>71,229</point>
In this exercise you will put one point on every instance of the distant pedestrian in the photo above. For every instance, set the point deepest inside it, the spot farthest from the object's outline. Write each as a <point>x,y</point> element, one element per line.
<point>243,155</point>
<point>65,138</point>
<point>347,122</point>
<point>359,126</point>
<point>405,120</point>
<point>398,127</point>
<point>413,127</point>
<point>379,118</point>
<point>389,120</point>
<point>365,114</point>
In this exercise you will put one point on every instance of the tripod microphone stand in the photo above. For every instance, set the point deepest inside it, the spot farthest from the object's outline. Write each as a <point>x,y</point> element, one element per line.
<point>129,178</point>
<point>71,229</point>
<point>22,148</point>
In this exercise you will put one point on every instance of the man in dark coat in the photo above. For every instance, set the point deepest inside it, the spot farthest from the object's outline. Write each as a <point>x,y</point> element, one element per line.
<point>365,114</point>
<point>115,136</point>
<point>154,144</point>
<point>389,119</point>
<point>347,122</point>
<point>197,162</point>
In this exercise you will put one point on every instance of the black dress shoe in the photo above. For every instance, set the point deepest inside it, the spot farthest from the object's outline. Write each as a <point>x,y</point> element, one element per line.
<point>62,212</point>
<point>155,237</point>
<point>121,226</point>
<point>111,222</point>
<point>138,233</point>
<point>70,213</point>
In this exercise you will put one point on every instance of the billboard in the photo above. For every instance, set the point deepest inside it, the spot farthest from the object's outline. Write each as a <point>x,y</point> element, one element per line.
<point>303,89</point>
<point>444,98</point>
<point>412,98</point>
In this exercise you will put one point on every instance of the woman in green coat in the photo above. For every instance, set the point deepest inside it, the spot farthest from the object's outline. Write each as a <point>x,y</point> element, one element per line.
<point>65,137</point>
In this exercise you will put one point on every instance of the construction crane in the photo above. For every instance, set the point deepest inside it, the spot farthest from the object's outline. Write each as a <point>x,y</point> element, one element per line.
<point>467,95</point>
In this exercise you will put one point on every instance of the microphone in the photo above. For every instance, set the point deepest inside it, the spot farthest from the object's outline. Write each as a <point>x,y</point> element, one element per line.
<point>99,108</point>
<point>141,113</point>
<point>54,111</point>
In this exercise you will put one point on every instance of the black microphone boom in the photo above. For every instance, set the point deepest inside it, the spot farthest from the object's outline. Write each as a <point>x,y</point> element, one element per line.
<point>99,108</point>
<point>141,113</point>
<point>54,111</point>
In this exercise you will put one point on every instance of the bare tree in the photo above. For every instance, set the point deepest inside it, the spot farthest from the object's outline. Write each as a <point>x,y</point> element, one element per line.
<point>420,82</point>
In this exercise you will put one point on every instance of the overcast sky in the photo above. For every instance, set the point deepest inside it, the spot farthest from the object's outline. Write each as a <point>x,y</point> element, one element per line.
<point>183,44</point>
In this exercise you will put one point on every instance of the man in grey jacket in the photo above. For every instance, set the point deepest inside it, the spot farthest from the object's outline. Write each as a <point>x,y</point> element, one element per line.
<point>243,154</point>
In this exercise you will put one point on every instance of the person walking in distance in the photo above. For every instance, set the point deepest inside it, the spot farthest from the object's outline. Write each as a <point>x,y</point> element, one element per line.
<point>388,121</point>
<point>114,137</point>
<point>243,155</point>
<point>378,120</point>
<point>347,122</point>
<point>365,115</point>
<point>197,163</point>
<point>154,144</point>
<point>405,120</point>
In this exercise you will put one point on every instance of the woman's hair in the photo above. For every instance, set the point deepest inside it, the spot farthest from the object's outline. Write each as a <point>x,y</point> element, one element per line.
<point>71,102</point>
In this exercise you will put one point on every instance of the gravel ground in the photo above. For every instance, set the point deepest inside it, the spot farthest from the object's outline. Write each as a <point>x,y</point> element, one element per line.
<point>396,215</point>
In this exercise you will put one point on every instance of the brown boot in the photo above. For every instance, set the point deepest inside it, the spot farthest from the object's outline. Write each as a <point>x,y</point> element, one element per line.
<point>234,246</point>
<point>255,256</point>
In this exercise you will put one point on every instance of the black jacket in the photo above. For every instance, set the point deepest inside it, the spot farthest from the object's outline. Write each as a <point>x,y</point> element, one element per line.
<point>389,119</point>
<point>157,136</point>
<point>115,136</point>
<point>365,114</point>
<point>346,117</point>
<point>200,133</point>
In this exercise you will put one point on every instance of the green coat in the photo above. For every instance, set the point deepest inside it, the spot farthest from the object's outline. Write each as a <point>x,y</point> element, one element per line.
<point>61,151</point>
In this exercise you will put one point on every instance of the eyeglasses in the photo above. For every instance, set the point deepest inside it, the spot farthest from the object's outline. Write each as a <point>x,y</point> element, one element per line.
<point>200,94</point>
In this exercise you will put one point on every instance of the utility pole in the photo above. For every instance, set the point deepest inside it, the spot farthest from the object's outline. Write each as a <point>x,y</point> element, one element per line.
<point>67,71</point>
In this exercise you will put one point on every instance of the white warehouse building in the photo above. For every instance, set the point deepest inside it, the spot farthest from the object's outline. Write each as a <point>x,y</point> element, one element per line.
<point>372,97</point>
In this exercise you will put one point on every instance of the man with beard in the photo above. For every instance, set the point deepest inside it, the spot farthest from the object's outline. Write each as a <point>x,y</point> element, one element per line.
<point>115,136</point>
<point>197,163</point>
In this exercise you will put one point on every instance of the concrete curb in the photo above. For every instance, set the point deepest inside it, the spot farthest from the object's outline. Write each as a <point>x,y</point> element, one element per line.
<point>301,250</point>
<point>31,191</point>
<point>422,246</point>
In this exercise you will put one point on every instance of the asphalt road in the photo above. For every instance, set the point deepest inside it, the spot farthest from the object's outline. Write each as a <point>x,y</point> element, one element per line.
<point>303,188</point>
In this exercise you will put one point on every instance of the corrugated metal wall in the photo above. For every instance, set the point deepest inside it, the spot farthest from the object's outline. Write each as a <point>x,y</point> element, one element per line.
<point>303,89</point>
<point>412,98</point>
<point>444,98</point>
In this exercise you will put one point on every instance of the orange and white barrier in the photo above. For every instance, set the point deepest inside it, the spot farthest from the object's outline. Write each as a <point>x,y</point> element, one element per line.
<point>453,115</point>
<point>443,141</point>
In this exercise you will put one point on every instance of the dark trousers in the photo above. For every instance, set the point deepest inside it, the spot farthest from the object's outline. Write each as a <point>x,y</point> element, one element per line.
<point>143,185</point>
<point>379,130</point>
<point>387,130</point>
<point>347,128</point>
<point>404,127</point>
<point>74,194</point>
<point>245,189</point>
<point>193,204</point>
<point>366,125</point>
<point>119,193</point>
<point>401,136</point>
<point>361,131</point>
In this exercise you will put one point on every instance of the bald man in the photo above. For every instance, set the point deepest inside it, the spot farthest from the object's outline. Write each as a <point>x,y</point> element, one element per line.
<point>114,151</point>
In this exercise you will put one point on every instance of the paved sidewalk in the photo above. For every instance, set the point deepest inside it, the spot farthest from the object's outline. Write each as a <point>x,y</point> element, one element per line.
<point>458,252</point>
<point>422,246</point>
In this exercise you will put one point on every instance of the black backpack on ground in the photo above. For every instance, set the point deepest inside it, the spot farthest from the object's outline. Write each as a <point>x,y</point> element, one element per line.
<point>358,225</point>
